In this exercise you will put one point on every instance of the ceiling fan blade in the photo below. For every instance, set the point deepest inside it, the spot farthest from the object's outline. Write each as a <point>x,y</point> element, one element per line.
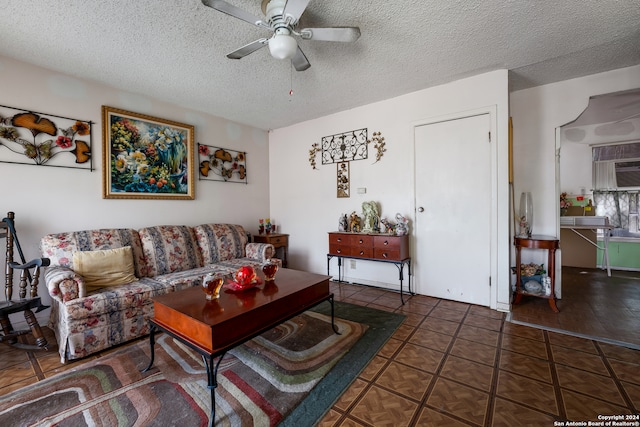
<point>294,9</point>
<point>300,61</point>
<point>236,12</point>
<point>332,34</point>
<point>247,49</point>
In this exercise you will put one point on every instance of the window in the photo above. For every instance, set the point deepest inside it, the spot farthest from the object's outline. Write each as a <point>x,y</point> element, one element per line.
<point>616,166</point>
<point>616,183</point>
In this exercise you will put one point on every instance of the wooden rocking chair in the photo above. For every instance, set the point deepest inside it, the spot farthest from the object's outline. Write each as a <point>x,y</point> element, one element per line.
<point>23,304</point>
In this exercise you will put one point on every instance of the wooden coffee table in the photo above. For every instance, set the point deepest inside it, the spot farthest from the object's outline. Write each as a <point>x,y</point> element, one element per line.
<point>214,327</point>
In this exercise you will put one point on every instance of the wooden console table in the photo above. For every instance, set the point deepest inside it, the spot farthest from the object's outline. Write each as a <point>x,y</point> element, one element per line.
<point>537,242</point>
<point>278,241</point>
<point>371,247</point>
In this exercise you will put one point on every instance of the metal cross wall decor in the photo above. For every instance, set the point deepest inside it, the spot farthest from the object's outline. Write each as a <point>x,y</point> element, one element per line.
<point>344,147</point>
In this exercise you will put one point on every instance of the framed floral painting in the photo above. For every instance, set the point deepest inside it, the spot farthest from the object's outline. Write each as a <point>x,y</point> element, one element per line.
<point>146,157</point>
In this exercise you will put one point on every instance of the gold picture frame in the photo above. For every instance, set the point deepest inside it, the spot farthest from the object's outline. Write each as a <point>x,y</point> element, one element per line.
<point>146,157</point>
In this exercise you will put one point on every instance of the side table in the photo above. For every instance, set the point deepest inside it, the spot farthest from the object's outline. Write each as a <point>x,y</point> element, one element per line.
<point>537,242</point>
<point>278,241</point>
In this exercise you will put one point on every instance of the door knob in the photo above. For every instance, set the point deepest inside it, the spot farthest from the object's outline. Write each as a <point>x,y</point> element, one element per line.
<point>420,209</point>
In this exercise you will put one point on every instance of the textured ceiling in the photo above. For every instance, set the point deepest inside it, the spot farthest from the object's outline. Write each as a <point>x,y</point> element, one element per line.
<point>174,50</point>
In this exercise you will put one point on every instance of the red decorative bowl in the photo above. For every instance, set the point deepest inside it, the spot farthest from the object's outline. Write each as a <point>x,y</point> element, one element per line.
<point>245,278</point>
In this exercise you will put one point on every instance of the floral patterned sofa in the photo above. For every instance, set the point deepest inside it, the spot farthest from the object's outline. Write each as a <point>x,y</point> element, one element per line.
<point>165,259</point>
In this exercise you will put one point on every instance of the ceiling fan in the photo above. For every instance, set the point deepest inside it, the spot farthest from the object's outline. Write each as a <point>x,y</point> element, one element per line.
<point>282,18</point>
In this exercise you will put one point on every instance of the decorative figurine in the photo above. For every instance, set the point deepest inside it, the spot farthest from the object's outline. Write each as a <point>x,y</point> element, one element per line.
<point>371,218</point>
<point>261,226</point>
<point>267,225</point>
<point>402,227</point>
<point>343,224</point>
<point>389,227</point>
<point>354,223</point>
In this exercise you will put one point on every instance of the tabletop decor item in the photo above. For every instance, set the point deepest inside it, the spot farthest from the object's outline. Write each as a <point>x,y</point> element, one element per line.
<point>146,157</point>
<point>244,278</point>
<point>211,284</point>
<point>402,225</point>
<point>526,214</point>
<point>31,138</point>
<point>270,268</point>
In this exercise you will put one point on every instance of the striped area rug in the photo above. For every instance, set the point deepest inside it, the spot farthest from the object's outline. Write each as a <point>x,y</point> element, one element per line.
<point>260,383</point>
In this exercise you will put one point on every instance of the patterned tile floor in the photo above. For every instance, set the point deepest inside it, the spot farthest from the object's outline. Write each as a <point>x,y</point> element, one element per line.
<point>451,364</point>
<point>455,364</point>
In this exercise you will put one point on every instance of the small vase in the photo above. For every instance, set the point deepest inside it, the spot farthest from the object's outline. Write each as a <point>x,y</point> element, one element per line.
<point>211,285</point>
<point>269,268</point>
<point>526,214</point>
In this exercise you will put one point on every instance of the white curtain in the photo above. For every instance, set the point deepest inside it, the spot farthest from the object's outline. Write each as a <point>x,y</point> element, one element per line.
<point>604,176</point>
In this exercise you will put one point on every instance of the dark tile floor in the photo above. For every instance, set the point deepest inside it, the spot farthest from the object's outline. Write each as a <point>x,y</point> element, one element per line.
<point>452,364</point>
<point>593,305</point>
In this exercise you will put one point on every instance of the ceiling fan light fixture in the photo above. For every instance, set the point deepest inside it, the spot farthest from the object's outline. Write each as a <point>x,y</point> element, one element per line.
<point>283,46</point>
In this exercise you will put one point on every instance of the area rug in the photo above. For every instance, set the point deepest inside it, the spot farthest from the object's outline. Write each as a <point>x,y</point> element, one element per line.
<point>289,376</point>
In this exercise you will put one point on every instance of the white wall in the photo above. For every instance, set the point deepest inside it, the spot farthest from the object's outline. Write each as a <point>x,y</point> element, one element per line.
<point>537,112</point>
<point>304,201</point>
<point>575,168</point>
<point>48,199</point>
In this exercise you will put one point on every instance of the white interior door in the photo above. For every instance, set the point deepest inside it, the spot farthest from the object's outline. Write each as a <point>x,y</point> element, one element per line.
<point>453,203</point>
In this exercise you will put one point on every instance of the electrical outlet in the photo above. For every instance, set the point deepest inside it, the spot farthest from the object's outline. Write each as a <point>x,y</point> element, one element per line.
<point>353,264</point>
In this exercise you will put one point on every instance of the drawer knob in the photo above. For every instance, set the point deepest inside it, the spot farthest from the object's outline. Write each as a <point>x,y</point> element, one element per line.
<point>386,243</point>
<point>361,252</point>
<point>361,241</point>
<point>339,251</point>
<point>339,239</point>
<point>384,255</point>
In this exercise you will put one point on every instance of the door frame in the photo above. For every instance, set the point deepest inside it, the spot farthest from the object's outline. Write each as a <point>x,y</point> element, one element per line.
<point>494,256</point>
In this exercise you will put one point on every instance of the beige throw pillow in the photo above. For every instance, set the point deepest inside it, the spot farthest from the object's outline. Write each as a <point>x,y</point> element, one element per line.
<point>109,267</point>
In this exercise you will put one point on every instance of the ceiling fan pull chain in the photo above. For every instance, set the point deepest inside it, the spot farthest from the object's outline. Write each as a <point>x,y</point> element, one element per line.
<point>291,82</point>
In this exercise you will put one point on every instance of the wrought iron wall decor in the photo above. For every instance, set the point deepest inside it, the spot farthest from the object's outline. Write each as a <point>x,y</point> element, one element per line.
<point>344,147</point>
<point>343,180</point>
<point>221,164</point>
<point>32,138</point>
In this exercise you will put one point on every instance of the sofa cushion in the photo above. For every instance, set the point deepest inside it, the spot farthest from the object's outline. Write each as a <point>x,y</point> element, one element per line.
<point>59,247</point>
<point>106,267</point>
<point>221,242</point>
<point>169,248</point>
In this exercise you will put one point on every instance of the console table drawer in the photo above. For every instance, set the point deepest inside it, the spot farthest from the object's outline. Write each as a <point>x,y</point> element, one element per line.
<point>362,241</point>
<point>339,239</point>
<point>339,249</point>
<point>364,252</point>
<point>389,242</point>
<point>391,254</point>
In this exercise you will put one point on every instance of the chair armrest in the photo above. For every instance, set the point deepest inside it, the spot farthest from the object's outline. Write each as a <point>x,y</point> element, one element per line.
<point>260,251</point>
<point>64,284</point>
<point>39,262</point>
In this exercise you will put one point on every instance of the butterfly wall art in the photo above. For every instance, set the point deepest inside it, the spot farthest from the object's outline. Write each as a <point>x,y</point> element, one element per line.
<point>28,137</point>
<point>221,164</point>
